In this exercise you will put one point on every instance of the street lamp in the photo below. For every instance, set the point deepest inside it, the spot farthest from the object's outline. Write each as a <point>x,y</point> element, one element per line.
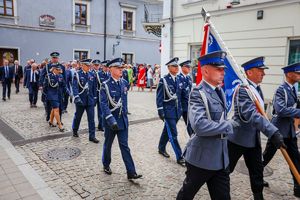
<point>116,44</point>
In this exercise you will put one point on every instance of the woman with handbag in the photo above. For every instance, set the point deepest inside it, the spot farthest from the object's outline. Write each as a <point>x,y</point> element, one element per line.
<point>141,83</point>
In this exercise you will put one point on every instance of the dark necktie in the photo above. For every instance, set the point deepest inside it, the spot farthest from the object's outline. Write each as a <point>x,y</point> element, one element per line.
<point>294,90</point>
<point>219,93</point>
<point>260,92</point>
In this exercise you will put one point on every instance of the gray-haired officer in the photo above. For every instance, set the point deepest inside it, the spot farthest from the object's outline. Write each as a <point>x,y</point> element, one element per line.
<point>246,139</point>
<point>206,152</point>
<point>97,71</point>
<point>188,83</point>
<point>84,91</point>
<point>170,92</point>
<point>114,108</point>
<point>285,111</point>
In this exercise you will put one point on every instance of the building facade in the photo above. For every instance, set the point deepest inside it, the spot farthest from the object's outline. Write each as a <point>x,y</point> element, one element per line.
<point>78,29</point>
<point>249,29</point>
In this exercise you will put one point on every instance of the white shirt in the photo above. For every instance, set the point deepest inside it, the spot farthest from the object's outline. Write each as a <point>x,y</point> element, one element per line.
<point>173,77</point>
<point>149,73</point>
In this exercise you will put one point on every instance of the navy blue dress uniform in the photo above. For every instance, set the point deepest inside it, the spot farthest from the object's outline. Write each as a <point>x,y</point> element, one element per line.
<point>188,83</point>
<point>98,90</point>
<point>55,87</point>
<point>7,75</point>
<point>246,140</point>
<point>169,94</point>
<point>69,87</point>
<point>31,82</point>
<point>104,75</point>
<point>44,73</point>
<point>84,91</point>
<point>285,110</point>
<point>206,152</point>
<point>114,108</point>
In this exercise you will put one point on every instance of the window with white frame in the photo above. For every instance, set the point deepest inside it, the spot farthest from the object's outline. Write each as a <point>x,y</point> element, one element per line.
<point>81,13</point>
<point>128,19</point>
<point>81,54</point>
<point>294,53</point>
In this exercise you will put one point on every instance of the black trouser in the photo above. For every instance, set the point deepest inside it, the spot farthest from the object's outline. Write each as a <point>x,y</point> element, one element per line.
<point>253,160</point>
<point>217,183</point>
<point>188,125</point>
<point>292,150</point>
<point>33,95</point>
<point>17,83</point>
<point>6,84</point>
<point>65,101</point>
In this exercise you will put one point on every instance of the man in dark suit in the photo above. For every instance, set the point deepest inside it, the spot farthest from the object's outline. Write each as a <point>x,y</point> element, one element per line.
<point>18,71</point>
<point>31,81</point>
<point>7,74</point>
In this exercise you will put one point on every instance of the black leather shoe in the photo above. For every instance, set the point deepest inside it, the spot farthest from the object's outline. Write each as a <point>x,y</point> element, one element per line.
<point>258,196</point>
<point>134,176</point>
<point>164,153</point>
<point>75,134</point>
<point>94,140</point>
<point>100,128</point>
<point>107,170</point>
<point>265,184</point>
<point>3,99</point>
<point>297,191</point>
<point>181,162</point>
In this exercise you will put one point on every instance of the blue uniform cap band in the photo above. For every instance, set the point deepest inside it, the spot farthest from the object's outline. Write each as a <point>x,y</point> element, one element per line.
<point>257,64</point>
<point>292,68</point>
<point>212,61</point>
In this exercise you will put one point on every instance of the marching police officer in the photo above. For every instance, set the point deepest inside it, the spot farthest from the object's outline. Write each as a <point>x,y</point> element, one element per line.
<point>206,152</point>
<point>187,80</point>
<point>104,73</point>
<point>114,107</point>
<point>97,72</point>
<point>84,91</point>
<point>285,111</point>
<point>169,93</point>
<point>55,87</point>
<point>45,72</point>
<point>246,139</point>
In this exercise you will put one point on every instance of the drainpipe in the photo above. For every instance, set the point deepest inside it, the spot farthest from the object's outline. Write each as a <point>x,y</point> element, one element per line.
<point>171,29</point>
<point>105,35</point>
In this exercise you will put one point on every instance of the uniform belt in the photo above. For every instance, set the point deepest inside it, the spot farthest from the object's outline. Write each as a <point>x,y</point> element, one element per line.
<point>219,136</point>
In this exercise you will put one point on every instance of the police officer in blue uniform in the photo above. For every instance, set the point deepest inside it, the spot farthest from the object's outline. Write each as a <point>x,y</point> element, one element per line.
<point>114,107</point>
<point>97,72</point>
<point>54,86</point>
<point>104,73</point>
<point>170,92</point>
<point>187,80</point>
<point>206,153</point>
<point>285,110</point>
<point>31,80</point>
<point>44,73</point>
<point>246,139</point>
<point>85,97</point>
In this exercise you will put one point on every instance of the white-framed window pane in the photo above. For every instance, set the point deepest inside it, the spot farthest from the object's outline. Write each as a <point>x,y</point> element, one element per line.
<point>1,11</point>
<point>1,3</point>
<point>294,54</point>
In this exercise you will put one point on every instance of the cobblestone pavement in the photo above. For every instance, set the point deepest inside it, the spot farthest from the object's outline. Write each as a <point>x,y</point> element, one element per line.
<point>83,178</point>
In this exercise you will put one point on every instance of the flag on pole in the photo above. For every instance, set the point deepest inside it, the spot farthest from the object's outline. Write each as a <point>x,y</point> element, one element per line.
<point>231,79</point>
